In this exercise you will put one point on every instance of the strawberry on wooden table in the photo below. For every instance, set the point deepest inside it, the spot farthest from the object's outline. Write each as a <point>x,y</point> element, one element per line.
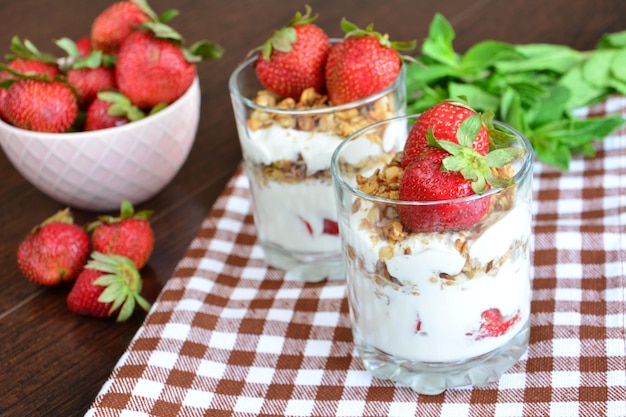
<point>108,286</point>
<point>54,251</point>
<point>363,63</point>
<point>130,234</point>
<point>293,59</point>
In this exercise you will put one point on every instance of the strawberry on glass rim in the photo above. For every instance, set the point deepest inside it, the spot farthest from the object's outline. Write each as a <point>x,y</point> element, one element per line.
<point>363,63</point>
<point>448,169</point>
<point>293,58</point>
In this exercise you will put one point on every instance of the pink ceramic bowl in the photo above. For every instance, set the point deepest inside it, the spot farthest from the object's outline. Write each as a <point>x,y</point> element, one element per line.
<point>96,170</point>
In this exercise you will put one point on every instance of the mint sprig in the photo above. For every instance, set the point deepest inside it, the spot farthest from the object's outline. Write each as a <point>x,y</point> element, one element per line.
<point>534,88</point>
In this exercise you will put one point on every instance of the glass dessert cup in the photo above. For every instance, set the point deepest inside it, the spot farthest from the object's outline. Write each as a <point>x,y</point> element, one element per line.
<point>286,152</point>
<point>433,310</point>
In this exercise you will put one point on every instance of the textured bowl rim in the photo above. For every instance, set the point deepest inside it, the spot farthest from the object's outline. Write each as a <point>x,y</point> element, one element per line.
<point>86,134</point>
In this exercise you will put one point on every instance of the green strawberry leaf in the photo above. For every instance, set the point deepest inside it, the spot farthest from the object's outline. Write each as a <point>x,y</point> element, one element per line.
<point>203,50</point>
<point>168,15</point>
<point>284,38</point>
<point>69,46</point>
<point>468,130</point>
<point>121,106</point>
<point>122,283</point>
<point>164,31</point>
<point>503,156</point>
<point>300,19</point>
<point>26,49</point>
<point>143,4</point>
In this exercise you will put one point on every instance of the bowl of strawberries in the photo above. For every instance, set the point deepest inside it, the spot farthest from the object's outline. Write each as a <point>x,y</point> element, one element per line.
<point>111,119</point>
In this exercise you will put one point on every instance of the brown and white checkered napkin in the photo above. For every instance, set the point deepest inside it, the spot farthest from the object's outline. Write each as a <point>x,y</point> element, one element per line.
<point>228,336</point>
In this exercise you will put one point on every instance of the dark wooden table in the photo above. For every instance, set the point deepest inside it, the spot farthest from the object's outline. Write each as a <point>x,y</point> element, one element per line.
<point>52,362</point>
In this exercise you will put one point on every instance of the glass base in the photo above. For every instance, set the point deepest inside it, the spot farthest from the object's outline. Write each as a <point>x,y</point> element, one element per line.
<point>309,267</point>
<point>434,378</point>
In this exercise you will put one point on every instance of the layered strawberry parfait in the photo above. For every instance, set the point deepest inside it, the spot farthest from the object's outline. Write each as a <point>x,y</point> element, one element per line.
<point>436,241</point>
<point>295,101</point>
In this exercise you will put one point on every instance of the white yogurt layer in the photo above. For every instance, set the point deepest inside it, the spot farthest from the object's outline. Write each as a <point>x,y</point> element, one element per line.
<point>428,318</point>
<point>291,215</point>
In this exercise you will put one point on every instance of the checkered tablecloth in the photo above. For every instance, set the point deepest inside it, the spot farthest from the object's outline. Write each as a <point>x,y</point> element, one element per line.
<point>230,337</point>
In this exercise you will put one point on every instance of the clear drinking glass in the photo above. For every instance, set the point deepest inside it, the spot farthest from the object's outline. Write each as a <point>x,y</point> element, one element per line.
<point>432,310</point>
<point>286,152</point>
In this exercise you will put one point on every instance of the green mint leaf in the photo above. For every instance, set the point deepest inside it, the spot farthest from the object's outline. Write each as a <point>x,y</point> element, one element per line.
<point>617,85</point>
<point>551,107</point>
<point>418,75</point>
<point>582,92</point>
<point>541,57</point>
<point>438,44</point>
<point>597,69</point>
<point>484,54</point>
<point>618,65</point>
<point>612,40</point>
<point>479,98</point>
<point>551,151</point>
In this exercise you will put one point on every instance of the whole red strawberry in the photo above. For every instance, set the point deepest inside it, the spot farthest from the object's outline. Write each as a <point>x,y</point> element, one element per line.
<point>129,235</point>
<point>25,60</point>
<point>98,117</point>
<point>87,74</point>
<point>88,82</point>
<point>444,119</point>
<point>152,71</point>
<point>111,27</point>
<point>424,180</point>
<point>111,109</point>
<point>41,106</point>
<point>26,67</point>
<point>108,286</point>
<point>54,251</point>
<point>31,66</point>
<point>364,63</point>
<point>153,66</point>
<point>293,59</point>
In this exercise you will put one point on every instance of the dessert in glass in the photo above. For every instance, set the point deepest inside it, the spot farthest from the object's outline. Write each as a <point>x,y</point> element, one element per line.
<point>433,306</point>
<point>286,147</point>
